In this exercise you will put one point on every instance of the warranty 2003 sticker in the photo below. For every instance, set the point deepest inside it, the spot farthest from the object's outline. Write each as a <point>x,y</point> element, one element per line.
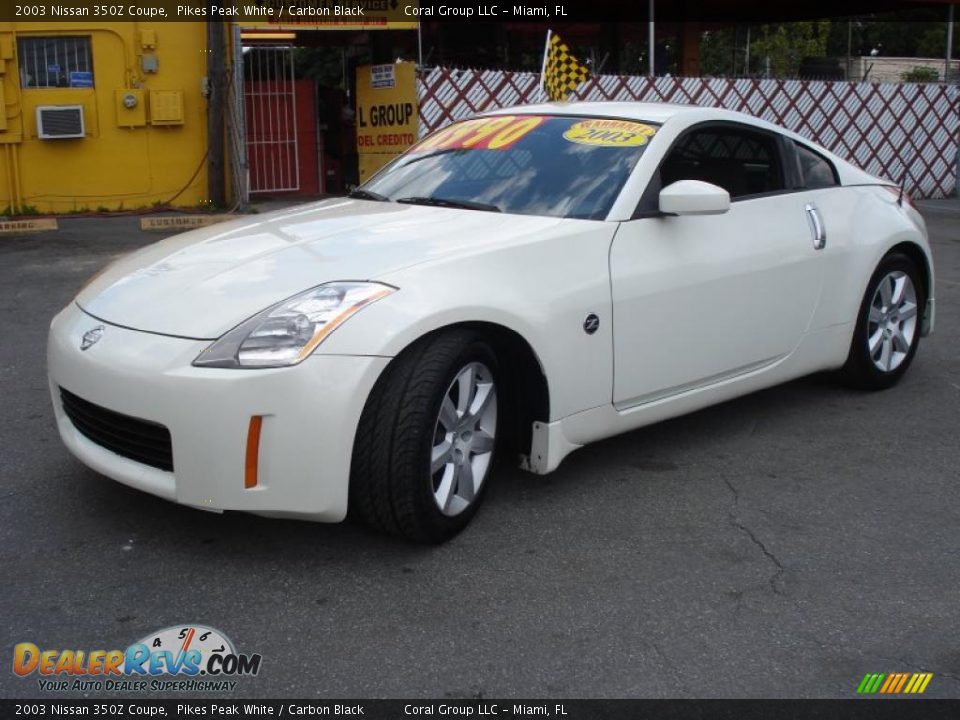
<point>610,133</point>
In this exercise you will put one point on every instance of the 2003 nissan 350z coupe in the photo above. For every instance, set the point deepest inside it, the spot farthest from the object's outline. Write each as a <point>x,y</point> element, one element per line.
<point>516,285</point>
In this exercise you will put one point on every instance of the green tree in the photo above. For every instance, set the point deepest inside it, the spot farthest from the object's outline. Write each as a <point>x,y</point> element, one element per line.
<point>933,42</point>
<point>906,33</point>
<point>787,44</point>
<point>716,52</point>
<point>723,51</point>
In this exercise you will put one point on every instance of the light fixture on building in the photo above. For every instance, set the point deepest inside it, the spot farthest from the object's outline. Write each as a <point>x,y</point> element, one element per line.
<point>268,36</point>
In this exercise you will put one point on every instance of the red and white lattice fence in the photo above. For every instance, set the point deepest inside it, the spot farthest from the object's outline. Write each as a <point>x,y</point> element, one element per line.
<point>881,127</point>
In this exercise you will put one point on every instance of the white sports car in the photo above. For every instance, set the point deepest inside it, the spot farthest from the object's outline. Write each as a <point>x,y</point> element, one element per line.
<point>517,285</point>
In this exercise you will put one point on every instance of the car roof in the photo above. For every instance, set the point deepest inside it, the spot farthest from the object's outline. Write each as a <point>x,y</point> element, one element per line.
<point>658,112</point>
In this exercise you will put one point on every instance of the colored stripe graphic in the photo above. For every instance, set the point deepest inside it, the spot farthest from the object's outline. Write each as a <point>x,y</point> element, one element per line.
<point>918,683</point>
<point>870,683</point>
<point>894,683</point>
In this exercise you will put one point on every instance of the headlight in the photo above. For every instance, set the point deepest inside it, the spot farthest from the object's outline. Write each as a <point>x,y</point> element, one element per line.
<point>288,332</point>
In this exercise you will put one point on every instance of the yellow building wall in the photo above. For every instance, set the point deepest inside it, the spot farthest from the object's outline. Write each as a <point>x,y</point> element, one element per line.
<point>113,167</point>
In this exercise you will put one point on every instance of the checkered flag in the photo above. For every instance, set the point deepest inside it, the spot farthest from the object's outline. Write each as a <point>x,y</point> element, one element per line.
<point>562,72</point>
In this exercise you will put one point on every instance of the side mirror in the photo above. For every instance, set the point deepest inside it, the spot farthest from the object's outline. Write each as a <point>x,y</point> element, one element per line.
<point>694,197</point>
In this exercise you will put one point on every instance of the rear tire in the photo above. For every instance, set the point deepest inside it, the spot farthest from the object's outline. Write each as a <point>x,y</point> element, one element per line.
<point>426,440</point>
<point>887,333</point>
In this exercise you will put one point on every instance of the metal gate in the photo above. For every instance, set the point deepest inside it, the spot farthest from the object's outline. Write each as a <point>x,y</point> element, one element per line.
<point>270,106</point>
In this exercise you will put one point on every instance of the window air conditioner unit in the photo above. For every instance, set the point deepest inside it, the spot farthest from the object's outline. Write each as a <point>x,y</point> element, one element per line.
<point>55,122</point>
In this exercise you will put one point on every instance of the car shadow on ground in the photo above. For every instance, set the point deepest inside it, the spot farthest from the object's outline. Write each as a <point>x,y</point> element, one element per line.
<point>650,454</point>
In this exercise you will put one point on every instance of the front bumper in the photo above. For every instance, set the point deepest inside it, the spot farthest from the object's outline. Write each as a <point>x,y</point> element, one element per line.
<point>310,415</point>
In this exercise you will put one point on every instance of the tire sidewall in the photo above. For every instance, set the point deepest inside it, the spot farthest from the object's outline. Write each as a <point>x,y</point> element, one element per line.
<point>860,365</point>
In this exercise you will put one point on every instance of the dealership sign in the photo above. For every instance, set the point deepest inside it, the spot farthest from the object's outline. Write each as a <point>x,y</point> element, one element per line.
<point>387,117</point>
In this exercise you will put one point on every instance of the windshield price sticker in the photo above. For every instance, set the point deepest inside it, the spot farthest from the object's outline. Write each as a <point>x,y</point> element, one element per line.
<point>610,133</point>
<point>492,133</point>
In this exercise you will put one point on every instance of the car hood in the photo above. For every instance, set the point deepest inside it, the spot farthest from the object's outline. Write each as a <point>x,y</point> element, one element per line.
<point>202,283</point>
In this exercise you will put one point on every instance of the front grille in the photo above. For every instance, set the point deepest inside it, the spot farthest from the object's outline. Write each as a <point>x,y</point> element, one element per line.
<point>140,440</point>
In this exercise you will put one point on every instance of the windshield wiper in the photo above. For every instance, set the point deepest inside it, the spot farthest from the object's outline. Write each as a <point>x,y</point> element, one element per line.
<point>442,151</point>
<point>445,202</point>
<point>361,194</point>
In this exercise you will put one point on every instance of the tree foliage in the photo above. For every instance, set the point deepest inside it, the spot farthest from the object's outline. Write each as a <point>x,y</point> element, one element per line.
<point>912,33</point>
<point>717,49</point>
<point>921,74</point>
<point>724,51</point>
<point>787,44</point>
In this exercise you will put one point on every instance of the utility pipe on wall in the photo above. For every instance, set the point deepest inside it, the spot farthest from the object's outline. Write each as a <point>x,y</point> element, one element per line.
<point>946,69</point>
<point>650,42</point>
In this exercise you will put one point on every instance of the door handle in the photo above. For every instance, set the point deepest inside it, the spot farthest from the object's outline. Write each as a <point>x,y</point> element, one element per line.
<point>816,227</point>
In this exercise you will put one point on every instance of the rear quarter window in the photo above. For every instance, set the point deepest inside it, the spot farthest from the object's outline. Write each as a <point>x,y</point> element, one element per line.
<point>815,170</point>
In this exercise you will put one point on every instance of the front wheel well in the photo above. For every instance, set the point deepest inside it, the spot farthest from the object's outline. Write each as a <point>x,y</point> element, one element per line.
<point>919,257</point>
<point>526,392</point>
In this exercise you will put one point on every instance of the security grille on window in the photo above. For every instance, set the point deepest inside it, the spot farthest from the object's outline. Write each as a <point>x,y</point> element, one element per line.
<point>55,62</point>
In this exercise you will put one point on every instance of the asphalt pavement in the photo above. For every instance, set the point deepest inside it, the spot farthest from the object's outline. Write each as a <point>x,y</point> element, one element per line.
<point>780,545</point>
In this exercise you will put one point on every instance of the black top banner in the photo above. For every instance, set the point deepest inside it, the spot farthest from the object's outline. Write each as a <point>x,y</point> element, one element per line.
<point>383,14</point>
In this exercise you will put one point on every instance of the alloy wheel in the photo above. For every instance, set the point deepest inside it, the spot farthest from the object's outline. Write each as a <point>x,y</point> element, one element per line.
<point>463,440</point>
<point>892,321</point>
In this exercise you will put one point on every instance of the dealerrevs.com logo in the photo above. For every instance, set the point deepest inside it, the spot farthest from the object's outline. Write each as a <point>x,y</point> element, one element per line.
<point>179,658</point>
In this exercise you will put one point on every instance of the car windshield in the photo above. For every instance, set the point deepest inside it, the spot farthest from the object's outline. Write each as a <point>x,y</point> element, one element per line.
<point>559,166</point>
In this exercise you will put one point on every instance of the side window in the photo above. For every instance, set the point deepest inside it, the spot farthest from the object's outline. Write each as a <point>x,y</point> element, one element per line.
<point>741,161</point>
<point>55,62</point>
<point>815,170</point>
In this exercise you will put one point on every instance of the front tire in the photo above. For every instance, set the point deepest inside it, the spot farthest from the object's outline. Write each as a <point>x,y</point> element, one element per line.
<point>887,333</point>
<point>426,441</point>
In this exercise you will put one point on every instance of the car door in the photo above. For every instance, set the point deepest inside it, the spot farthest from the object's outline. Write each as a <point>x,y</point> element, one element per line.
<point>698,300</point>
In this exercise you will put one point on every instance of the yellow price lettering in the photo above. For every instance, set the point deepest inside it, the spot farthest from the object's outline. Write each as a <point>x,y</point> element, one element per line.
<point>514,132</point>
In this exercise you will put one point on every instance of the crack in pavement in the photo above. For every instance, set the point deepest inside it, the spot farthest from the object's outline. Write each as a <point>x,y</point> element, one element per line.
<point>776,580</point>
<point>736,495</point>
<point>777,577</point>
